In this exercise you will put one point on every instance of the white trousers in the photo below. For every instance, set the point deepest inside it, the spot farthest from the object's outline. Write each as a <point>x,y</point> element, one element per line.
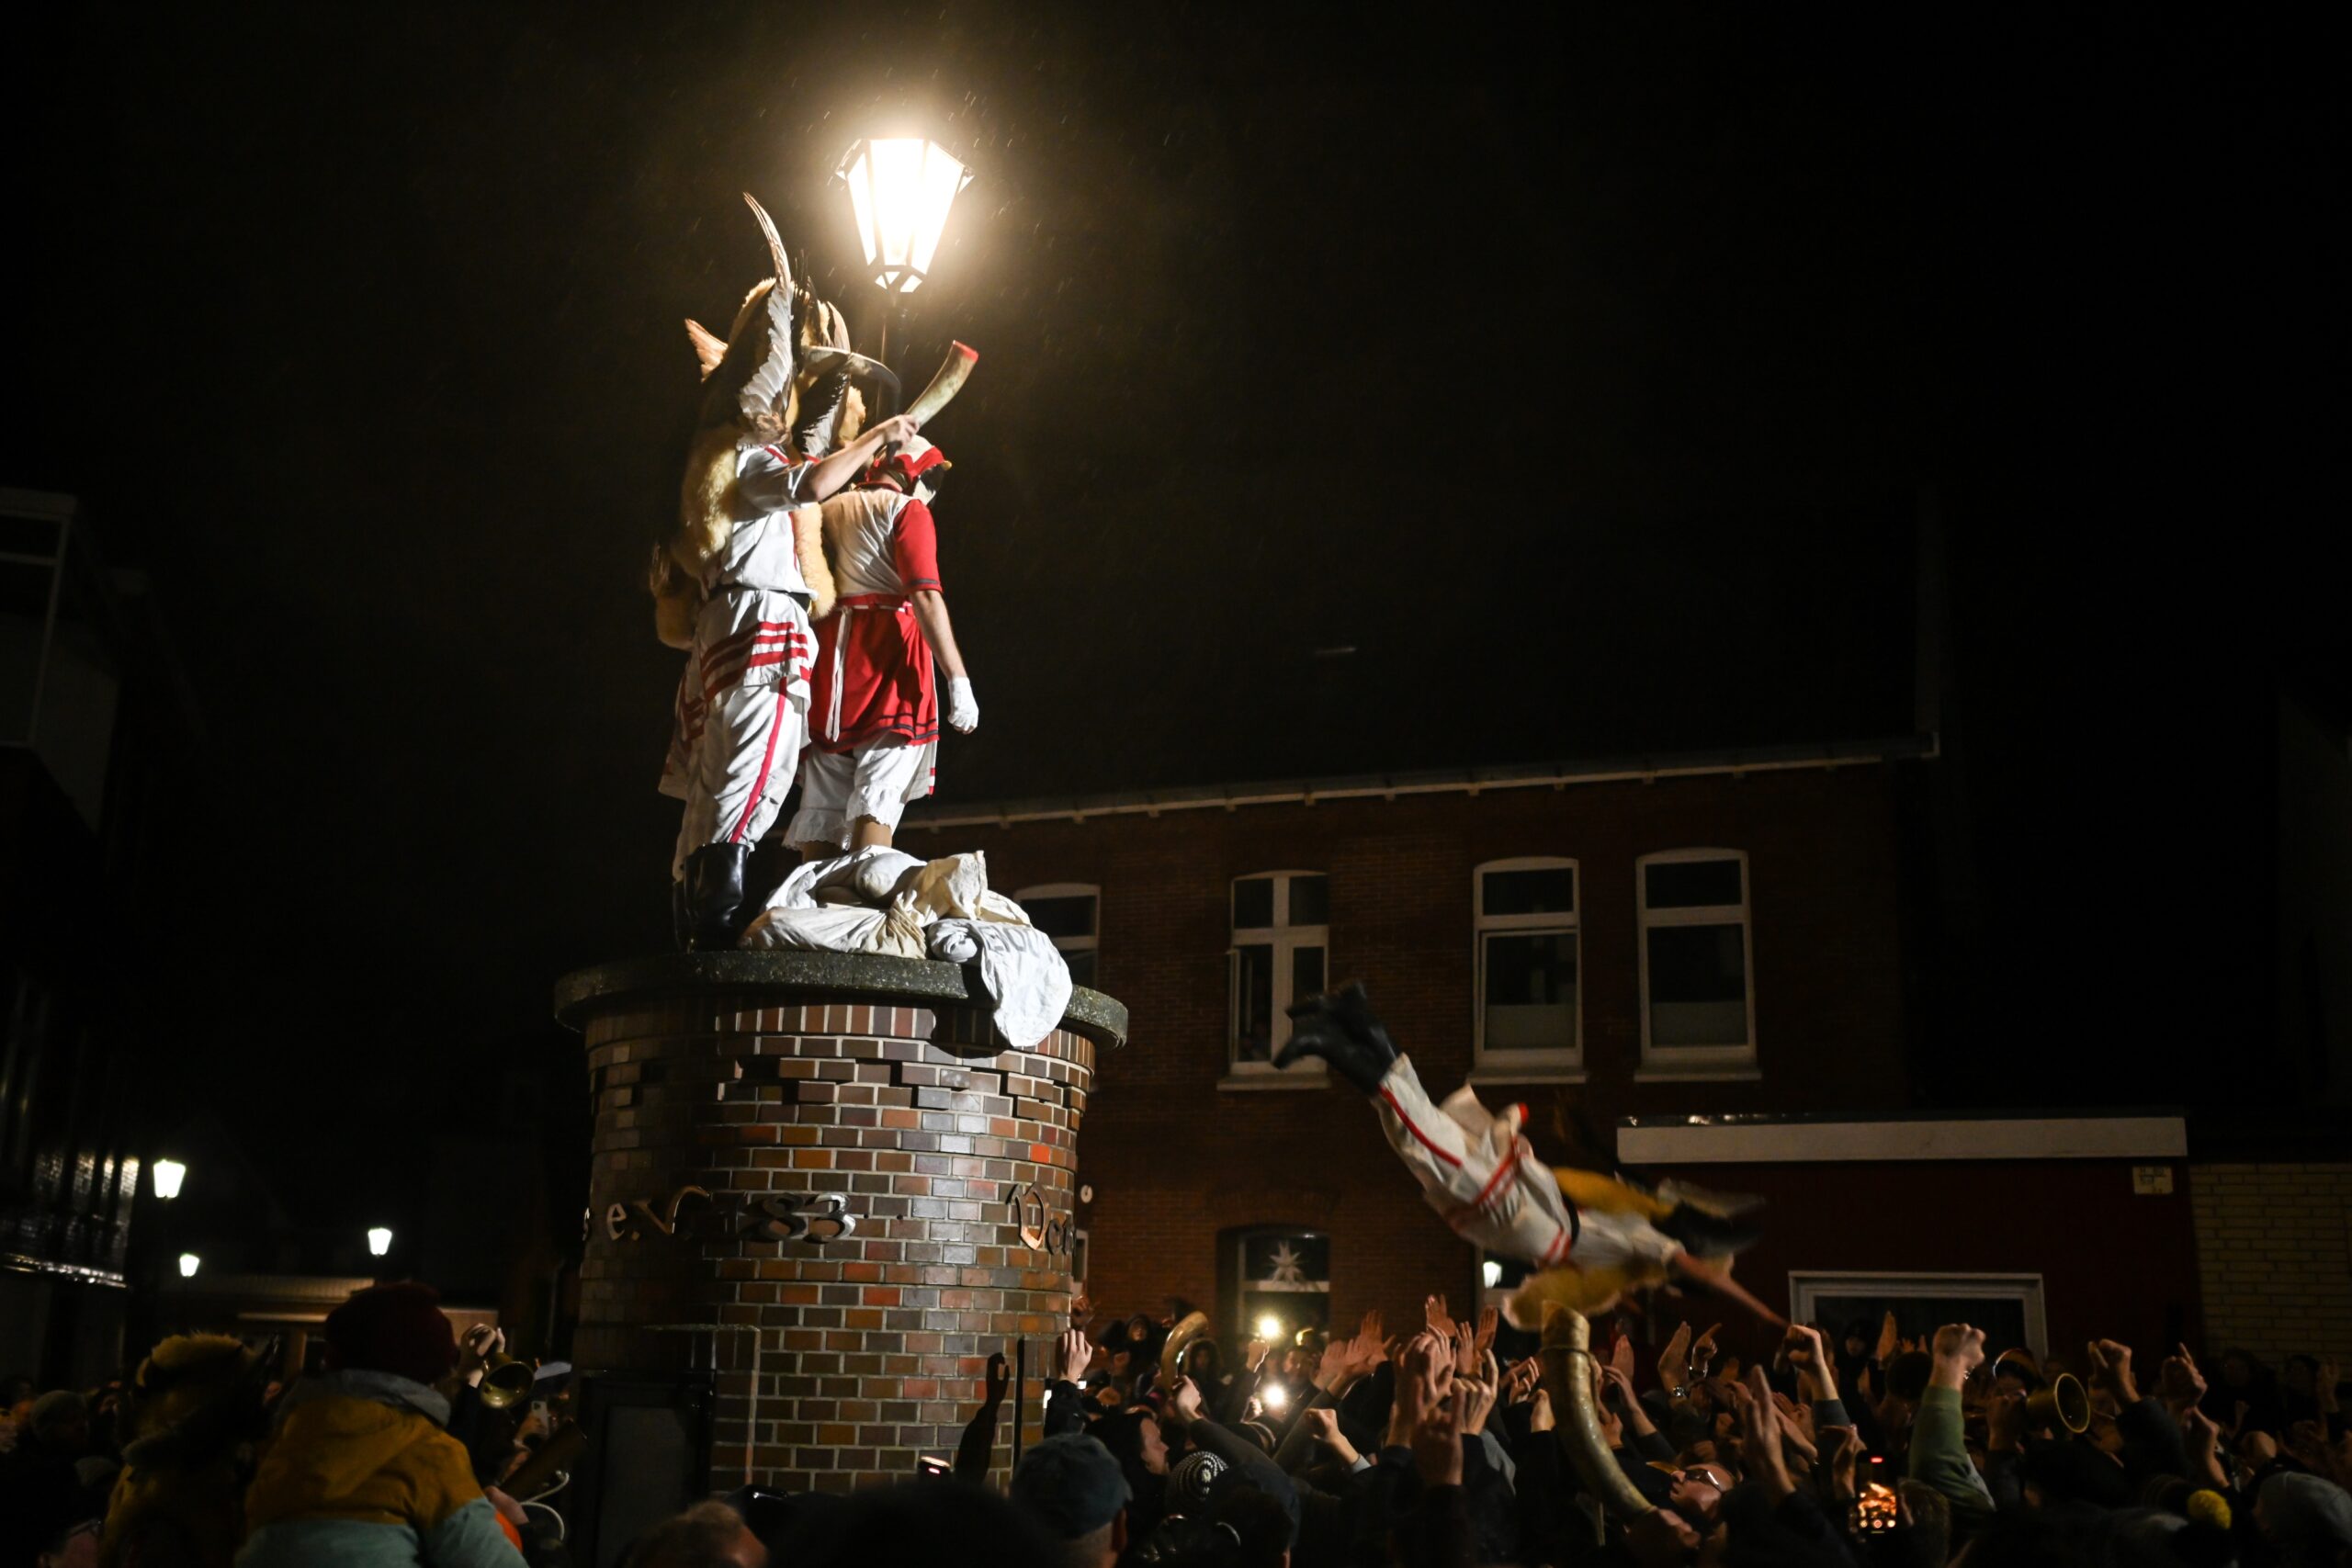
<point>838,787</point>
<point>739,752</point>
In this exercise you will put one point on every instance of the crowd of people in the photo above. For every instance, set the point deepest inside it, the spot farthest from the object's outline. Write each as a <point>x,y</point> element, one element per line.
<point>1430,1449</point>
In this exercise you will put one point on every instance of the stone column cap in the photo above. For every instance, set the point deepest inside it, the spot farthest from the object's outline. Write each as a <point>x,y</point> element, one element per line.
<point>864,979</point>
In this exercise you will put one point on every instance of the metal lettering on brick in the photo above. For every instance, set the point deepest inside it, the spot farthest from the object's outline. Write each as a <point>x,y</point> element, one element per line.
<point>1040,1229</point>
<point>694,1214</point>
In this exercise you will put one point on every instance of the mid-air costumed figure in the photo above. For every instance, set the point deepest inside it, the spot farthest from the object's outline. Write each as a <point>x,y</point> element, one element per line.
<point>1591,1239</point>
<point>735,582</point>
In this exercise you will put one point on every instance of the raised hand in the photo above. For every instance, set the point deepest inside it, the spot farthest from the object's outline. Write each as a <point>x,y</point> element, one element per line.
<point>1845,1458</point>
<point>1760,1426</point>
<point>1253,1355</point>
<point>2112,1370</point>
<point>1674,1361</point>
<point>1889,1340</point>
<point>1489,1321</point>
<point>1072,1353</point>
<point>1474,1398</point>
<point>1816,1374</point>
<point>1703,1352</point>
<point>1439,1320</point>
<point>1960,1350</point>
<point>1621,1355</point>
<point>1184,1402</point>
<point>1613,1430</point>
<point>2004,1424</point>
<point>2178,1382</point>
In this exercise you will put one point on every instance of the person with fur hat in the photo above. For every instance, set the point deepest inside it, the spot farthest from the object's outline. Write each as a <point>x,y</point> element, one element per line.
<point>735,582</point>
<point>361,1473</point>
<point>875,710</point>
<point>194,1414</point>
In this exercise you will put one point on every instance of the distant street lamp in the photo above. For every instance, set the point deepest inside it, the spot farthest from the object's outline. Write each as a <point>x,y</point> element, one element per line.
<point>168,1175</point>
<point>380,1240</point>
<point>188,1262</point>
<point>899,190</point>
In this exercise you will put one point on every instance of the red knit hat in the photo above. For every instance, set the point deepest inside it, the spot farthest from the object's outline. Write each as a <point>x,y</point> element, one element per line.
<point>393,1328</point>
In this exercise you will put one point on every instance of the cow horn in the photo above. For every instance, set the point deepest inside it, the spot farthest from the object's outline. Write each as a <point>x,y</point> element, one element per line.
<point>775,245</point>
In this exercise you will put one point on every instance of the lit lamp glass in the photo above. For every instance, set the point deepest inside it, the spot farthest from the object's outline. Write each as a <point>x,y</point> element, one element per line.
<point>1492,1272</point>
<point>380,1240</point>
<point>899,190</point>
<point>168,1175</point>
<point>188,1263</point>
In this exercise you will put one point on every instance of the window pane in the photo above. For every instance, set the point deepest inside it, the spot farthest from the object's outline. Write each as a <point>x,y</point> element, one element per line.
<point>1310,901</point>
<point>1541,891</point>
<point>1698,986</point>
<point>1681,883</point>
<point>1306,973</point>
<point>1531,991</point>
<point>1253,903</point>
<point>1253,1003</point>
<point>1081,966</point>
<point>1070,916</point>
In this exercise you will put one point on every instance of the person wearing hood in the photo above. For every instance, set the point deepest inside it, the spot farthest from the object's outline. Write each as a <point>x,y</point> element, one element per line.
<point>361,1473</point>
<point>194,1414</point>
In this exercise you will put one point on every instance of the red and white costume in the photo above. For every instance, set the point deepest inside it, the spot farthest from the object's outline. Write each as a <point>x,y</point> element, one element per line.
<point>1478,1173</point>
<point>740,718</point>
<point>874,713</point>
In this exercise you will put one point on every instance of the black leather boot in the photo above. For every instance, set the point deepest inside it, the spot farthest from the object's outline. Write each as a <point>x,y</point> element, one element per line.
<point>715,896</point>
<point>682,929</point>
<point>1344,1030</point>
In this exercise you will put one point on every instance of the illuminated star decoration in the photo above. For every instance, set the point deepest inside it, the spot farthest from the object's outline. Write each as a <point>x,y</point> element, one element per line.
<point>1288,1266</point>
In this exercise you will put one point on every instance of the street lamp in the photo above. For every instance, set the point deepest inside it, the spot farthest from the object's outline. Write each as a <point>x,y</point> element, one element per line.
<point>188,1262</point>
<point>380,1240</point>
<point>168,1174</point>
<point>899,190</point>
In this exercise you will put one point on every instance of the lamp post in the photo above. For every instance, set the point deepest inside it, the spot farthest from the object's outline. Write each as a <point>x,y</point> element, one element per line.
<point>900,189</point>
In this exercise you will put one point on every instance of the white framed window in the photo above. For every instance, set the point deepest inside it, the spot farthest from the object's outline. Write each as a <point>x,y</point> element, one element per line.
<point>1280,955</point>
<point>1698,979</point>
<point>1529,1020</point>
<point>1070,913</point>
<point>2008,1307</point>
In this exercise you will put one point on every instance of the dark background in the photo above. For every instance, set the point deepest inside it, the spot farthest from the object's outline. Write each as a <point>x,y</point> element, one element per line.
<point>1588,374</point>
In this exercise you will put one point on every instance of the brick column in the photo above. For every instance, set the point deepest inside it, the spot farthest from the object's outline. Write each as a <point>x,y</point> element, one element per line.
<point>835,1161</point>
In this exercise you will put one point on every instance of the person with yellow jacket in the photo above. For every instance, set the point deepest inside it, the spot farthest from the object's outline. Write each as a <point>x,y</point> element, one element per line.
<point>360,1473</point>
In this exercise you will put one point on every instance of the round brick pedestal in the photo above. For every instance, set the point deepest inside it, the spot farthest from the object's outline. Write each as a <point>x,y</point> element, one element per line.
<point>825,1176</point>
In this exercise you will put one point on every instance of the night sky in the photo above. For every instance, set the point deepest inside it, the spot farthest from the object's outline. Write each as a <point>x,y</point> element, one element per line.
<point>1582,371</point>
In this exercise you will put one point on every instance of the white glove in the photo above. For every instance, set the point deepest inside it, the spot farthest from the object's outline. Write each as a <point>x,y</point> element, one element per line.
<point>963,708</point>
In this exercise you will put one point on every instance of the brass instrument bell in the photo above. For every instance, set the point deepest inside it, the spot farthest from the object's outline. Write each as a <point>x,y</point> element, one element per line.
<point>2063,1400</point>
<point>507,1381</point>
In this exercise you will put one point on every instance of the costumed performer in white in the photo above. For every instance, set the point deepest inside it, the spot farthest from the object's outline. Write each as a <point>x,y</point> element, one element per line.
<point>734,585</point>
<point>1592,1238</point>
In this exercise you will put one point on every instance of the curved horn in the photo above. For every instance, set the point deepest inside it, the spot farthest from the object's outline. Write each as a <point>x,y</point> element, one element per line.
<point>769,388</point>
<point>946,384</point>
<point>775,246</point>
<point>1567,1377</point>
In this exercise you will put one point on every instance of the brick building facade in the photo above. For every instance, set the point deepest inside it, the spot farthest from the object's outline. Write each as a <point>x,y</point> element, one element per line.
<point>1194,1153</point>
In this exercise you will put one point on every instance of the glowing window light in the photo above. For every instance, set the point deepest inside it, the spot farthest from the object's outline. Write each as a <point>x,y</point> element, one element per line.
<point>189,1262</point>
<point>168,1175</point>
<point>900,191</point>
<point>380,1240</point>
